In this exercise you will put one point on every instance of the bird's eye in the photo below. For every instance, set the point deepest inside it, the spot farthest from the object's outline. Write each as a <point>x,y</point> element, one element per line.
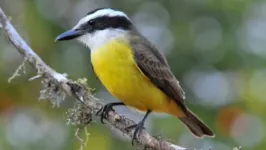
<point>91,22</point>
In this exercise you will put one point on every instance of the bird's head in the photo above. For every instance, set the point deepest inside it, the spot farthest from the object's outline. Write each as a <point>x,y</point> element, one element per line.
<point>98,27</point>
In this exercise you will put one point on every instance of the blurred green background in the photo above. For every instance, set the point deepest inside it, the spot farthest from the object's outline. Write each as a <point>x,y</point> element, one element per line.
<point>216,48</point>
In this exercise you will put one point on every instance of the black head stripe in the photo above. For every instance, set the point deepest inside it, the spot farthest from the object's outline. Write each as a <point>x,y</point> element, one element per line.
<point>105,22</point>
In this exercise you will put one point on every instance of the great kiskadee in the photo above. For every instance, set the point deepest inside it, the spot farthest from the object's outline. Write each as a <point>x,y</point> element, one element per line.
<point>132,69</point>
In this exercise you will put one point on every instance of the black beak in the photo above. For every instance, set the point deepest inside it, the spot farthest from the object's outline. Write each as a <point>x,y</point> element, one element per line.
<point>69,35</point>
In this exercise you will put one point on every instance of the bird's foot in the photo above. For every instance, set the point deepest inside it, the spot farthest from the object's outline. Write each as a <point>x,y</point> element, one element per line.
<point>138,127</point>
<point>103,112</point>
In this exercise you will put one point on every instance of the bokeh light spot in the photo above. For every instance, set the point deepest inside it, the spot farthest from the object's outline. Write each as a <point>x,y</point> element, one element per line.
<point>225,119</point>
<point>248,130</point>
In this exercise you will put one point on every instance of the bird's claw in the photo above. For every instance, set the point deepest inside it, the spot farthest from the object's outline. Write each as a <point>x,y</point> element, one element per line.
<point>138,127</point>
<point>103,112</point>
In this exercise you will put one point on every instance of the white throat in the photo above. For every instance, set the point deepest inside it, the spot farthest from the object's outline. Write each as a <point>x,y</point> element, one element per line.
<point>100,38</point>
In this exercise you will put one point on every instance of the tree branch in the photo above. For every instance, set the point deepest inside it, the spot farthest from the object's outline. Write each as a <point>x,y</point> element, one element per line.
<point>57,85</point>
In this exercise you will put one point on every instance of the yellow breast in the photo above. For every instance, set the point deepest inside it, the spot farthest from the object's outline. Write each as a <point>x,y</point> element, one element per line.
<point>115,66</point>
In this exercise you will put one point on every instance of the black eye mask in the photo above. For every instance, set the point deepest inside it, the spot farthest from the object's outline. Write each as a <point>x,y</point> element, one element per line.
<point>104,22</point>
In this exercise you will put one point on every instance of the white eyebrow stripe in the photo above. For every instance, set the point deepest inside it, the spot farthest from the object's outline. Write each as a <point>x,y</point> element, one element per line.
<point>99,13</point>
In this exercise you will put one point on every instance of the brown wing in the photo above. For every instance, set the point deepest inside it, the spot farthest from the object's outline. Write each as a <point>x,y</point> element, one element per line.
<point>153,64</point>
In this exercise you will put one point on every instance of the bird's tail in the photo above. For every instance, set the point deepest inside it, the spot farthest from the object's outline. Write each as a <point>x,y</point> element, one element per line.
<point>195,125</point>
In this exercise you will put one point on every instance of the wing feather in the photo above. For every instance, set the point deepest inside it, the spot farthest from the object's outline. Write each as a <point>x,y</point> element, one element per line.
<point>153,64</point>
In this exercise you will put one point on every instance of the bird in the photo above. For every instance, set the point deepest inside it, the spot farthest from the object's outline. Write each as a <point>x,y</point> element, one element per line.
<point>132,69</point>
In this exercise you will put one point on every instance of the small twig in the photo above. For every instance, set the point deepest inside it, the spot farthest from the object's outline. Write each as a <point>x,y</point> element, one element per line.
<point>57,85</point>
<point>17,73</point>
<point>35,77</point>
